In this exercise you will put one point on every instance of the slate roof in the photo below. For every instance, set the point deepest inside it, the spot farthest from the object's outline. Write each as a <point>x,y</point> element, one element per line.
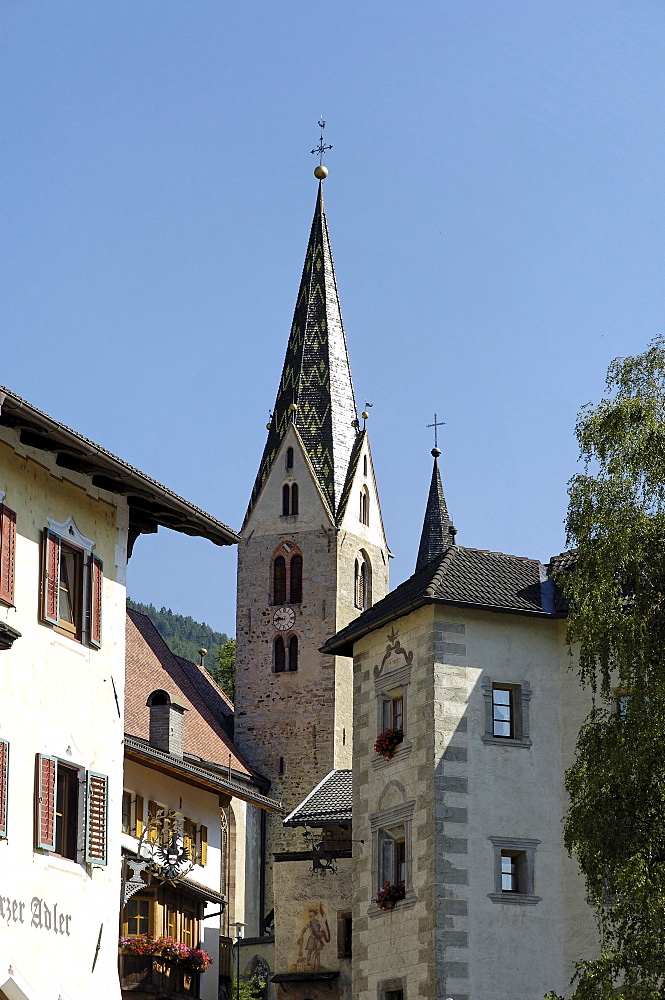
<point>462,576</point>
<point>151,666</point>
<point>436,536</point>
<point>150,503</point>
<point>316,376</point>
<point>330,802</point>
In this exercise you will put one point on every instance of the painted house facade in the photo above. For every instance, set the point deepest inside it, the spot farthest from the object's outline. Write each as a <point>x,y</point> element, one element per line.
<point>69,515</point>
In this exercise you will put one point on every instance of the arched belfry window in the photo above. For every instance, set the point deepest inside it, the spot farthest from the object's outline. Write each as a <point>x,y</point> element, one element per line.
<point>289,499</point>
<point>362,587</point>
<point>364,505</point>
<point>289,458</point>
<point>287,575</point>
<point>293,652</point>
<point>279,580</point>
<point>279,656</point>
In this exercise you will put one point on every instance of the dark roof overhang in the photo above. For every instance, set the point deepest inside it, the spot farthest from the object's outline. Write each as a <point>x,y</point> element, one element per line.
<point>201,777</point>
<point>151,505</point>
<point>8,635</point>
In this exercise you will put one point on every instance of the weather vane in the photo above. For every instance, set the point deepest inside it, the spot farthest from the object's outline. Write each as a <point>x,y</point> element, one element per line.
<point>320,171</point>
<point>437,423</point>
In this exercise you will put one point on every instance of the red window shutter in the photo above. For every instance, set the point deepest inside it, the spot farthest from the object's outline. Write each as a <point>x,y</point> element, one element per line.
<point>4,776</point>
<point>96,818</point>
<point>45,802</point>
<point>50,577</point>
<point>7,553</point>
<point>95,599</point>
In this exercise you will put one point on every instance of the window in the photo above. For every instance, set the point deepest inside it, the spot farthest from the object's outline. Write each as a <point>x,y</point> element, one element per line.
<point>287,575</point>
<point>4,776</point>
<point>503,712</point>
<point>293,652</point>
<point>393,711</point>
<point>289,458</point>
<point>362,584</point>
<point>71,583</point>
<point>137,916</point>
<point>391,845</point>
<point>392,861</point>
<point>344,935</point>
<point>364,505</point>
<point>126,812</point>
<point>506,713</point>
<point>514,861</point>
<point>364,465</point>
<point>285,654</point>
<point>7,553</point>
<point>391,989</point>
<point>279,581</point>
<point>289,499</point>
<point>60,827</point>
<point>295,597</point>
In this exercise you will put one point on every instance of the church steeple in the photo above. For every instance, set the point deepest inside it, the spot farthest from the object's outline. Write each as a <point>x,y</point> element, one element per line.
<point>438,532</point>
<point>315,391</point>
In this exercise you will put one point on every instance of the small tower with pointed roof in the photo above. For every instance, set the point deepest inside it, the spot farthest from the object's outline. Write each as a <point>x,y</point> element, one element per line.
<point>438,532</point>
<point>312,556</point>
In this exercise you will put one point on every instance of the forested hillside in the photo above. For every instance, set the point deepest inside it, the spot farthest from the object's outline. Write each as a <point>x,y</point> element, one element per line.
<point>183,635</point>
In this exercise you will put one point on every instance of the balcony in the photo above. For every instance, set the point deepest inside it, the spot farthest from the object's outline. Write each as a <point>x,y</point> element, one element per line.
<point>156,977</point>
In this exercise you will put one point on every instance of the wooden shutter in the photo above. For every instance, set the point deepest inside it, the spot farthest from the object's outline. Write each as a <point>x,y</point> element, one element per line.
<point>45,802</point>
<point>4,776</point>
<point>188,831</point>
<point>138,816</point>
<point>50,576</point>
<point>203,844</point>
<point>7,553</point>
<point>295,573</point>
<point>96,818</point>
<point>96,571</point>
<point>279,581</point>
<point>152,816</point>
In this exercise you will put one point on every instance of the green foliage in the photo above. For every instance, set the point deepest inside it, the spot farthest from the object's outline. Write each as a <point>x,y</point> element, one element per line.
<point>251,988</point>
<point>183,635</point>
<point>224,670</point>
<point>615,824</point>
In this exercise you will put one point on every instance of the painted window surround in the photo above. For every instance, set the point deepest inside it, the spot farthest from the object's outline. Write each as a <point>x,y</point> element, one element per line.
<point>521,846</point>
<point>394,681</point>
<point>521,701</point>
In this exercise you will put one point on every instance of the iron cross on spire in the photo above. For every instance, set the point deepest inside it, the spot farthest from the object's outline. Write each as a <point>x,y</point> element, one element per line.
<point>436,425</point>
<point>321,148</point>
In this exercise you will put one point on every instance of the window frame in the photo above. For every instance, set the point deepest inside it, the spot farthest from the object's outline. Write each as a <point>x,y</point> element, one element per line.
<point>292,590</point>
<point>139,897</point>
<point>362,582</point>
<point>60,539</point>
<point>520,699</point>
<point>523,851</point>
<point>395,825</point>
<point>7,553</point>
<point>387,686</point>
<point>363,515</point>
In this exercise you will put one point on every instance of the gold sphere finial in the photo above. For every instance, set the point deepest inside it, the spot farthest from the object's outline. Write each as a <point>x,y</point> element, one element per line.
<point>365,415</point>
<point>293,407</point>
<point>320,172</point>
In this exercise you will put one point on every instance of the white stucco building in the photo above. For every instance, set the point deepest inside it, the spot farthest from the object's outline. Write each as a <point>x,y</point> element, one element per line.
<point>69,515</point>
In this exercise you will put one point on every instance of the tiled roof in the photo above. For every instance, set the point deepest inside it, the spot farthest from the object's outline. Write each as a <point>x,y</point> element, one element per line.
<point>148,500</point>
<point>462,576</point>
<point>316,376</point>
<point>330,802</point>
<point>151,666</point>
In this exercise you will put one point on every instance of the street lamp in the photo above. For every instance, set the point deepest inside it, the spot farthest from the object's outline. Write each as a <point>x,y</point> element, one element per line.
<point>238,927</point>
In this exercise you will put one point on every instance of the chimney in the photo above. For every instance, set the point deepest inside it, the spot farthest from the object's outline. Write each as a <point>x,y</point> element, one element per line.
<point>166,723</point>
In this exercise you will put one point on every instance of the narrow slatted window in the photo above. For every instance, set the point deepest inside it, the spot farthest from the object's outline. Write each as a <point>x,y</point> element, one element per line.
<point>279,662</point>
<point>203,844</point>
<point>4,778</point>
<point>188,831</point>
<point>289,458</point>
<point>293,652</point>
<point>95,601</point>
<point>138,816</point>
<point>50,577</point>
<point>286,500</point>
<point>279,580</point>
<point>7,553</point>
<point>96,819</point>
<point>294,498</point>
<point>45,802</point>
<point>295,569</point>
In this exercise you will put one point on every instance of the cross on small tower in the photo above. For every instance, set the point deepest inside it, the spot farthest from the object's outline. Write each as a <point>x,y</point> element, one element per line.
<point>321,148</point>
<point>436,425</point>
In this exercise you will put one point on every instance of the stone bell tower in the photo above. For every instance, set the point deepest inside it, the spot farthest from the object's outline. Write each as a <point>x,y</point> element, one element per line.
<point>312,555</point>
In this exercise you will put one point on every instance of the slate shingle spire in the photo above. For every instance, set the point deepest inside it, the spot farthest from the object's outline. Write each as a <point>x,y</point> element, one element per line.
<point>438,532</point>
<point>315,391</point>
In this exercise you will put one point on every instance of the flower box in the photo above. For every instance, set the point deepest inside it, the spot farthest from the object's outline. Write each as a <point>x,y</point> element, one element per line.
<point>387,742</point>
<point>391,893</point>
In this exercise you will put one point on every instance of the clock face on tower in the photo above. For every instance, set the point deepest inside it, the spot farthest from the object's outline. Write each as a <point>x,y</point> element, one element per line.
<point>284,618</point>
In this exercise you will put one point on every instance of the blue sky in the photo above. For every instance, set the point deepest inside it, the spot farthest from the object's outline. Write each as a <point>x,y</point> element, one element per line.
<point>495,202</point>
